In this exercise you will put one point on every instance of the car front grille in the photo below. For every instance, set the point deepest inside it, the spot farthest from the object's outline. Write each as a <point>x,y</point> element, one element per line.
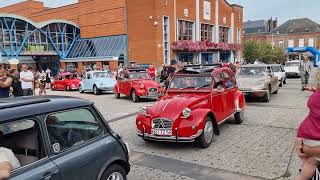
<point>161,123</point>
<point>153,90</point>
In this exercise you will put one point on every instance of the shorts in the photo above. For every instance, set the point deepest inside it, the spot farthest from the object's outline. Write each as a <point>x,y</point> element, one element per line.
<point>313,144</point>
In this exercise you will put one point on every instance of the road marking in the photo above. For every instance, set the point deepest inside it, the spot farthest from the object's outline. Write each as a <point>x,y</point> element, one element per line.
<point>185,168</point>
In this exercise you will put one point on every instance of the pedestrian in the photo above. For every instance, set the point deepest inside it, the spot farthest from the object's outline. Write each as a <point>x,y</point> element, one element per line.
<point>42,83</point>
<point>5,82</point>
<point>27,80</point>
<point>152,72</point>
<point>16,83</point>
<point>170,71</point>
<point>305,71</point>
<point>48,78</point>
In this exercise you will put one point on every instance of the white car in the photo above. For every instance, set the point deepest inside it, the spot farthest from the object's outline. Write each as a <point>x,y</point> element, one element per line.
<point>292,68</point>
<point>97,82</point>
<point>279,71</point>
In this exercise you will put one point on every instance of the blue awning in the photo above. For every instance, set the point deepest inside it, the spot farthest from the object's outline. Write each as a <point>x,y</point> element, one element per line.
<point>110,46</point>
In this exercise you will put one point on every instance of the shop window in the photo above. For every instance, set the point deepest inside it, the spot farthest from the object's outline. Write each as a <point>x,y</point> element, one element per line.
<point>185,30</point>
<point>223,34</point>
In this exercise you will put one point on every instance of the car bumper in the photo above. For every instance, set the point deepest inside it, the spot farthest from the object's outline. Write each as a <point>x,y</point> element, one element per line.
<point>169,138</point>
<point>255,93</point>
<point>150,96</point>
<point>106,89</point>
<point>293,74</point>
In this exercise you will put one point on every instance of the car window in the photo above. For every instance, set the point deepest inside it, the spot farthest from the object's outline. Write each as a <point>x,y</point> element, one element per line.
<point>71,128</point>
<point>229,80</point>
<point>218,80</point>
<point>23,138</point>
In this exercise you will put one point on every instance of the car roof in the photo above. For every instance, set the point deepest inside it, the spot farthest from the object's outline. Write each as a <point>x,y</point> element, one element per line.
<point>272,65</point>
<point>293,61</point>
<point>199,69</point>
<point>255,65</point>
<point>13,108</point>
<point>97,72</point>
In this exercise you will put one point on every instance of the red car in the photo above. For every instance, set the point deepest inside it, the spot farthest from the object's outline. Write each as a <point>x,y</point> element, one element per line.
<point>138,85</point>
<point>198,100</point>
<point>66,82</point>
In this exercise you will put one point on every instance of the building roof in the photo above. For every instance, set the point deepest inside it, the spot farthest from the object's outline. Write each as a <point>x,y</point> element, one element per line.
<point>31,106</point>
<point>297,26</point>
<point>259,26</point>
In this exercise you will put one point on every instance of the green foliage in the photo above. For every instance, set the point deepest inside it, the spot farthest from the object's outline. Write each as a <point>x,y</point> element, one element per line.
<point>262,52</point>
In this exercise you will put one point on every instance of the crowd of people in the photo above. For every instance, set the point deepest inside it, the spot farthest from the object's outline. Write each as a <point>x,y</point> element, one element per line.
<point>15,83</point>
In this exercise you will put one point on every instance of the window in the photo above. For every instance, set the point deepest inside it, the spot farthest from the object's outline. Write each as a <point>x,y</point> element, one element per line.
<point>71,128</point>
<point>185,30</point>
<point>290,43</point>
<point>311,42</point>
<point>281,44</point>
<point>223,34</point>
<point>301,42</point>
<point>206,32</point>
<point>238,35</point>
<point>23,137</point>
<point>229,80</point>
<point>166,40</point>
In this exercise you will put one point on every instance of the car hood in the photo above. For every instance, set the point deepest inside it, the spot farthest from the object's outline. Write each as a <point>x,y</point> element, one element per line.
<point>145,82</point>
<point>250,81</point>
<point>171,106</point>
<point>106,80</point>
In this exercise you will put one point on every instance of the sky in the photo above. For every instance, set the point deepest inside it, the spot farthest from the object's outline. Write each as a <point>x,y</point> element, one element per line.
<point>253,9</point>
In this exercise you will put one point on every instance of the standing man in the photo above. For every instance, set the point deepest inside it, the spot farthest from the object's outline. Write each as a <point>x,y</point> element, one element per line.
<point>5,82</point>
<point>171,70</point>
<point>16,84</point>
<point>305,71</point>
<point>27,79</point>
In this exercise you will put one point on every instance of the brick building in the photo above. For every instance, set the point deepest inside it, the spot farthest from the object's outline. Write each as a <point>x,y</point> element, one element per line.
<point>108,32</point>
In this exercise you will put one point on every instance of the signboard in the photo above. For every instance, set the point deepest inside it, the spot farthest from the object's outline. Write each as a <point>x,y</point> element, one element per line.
<point>35,53</point>
<point>206,10</point>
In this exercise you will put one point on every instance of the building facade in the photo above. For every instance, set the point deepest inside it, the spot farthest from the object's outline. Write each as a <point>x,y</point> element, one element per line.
<point>94,33</point>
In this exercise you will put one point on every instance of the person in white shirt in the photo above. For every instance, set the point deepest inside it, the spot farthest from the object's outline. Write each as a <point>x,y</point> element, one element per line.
<point>27,80</point>
<point>8,162</point>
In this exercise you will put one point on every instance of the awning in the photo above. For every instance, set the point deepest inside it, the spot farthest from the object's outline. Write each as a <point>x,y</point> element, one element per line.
<point>110,46</point>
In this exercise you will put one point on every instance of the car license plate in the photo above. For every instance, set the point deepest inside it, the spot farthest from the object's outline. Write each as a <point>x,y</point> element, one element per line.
<point>162,132</point>
<point>152,94</point>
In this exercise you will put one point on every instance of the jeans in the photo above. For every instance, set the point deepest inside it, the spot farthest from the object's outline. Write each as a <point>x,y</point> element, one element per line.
<point>27,92</point>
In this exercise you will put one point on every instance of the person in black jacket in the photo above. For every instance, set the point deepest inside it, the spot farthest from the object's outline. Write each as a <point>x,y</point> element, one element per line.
<point>16,83</point>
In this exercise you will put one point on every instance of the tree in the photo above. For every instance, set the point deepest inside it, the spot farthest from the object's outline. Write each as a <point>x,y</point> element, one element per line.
<point>263,52</point>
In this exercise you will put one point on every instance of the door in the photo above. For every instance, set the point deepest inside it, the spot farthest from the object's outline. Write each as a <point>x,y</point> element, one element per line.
<point>219,104</point>
<point>57,83</point>
<point>274,80</point>
<point>80,144</point>
<point>230,87</point>
<point>25,139</point>
<point>85,81</point>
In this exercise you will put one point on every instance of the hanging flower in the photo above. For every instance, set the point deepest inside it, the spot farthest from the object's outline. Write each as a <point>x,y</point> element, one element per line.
<point>202,46</point>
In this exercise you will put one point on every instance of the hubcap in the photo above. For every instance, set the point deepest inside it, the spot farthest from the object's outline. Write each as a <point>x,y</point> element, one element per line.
<point>208,132</point>
<point>115,176</point>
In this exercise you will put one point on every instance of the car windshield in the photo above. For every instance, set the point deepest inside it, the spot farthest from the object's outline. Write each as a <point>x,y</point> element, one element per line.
<point>139,75</point>
<point>255,71</point>
<point>276,69</point>
<point>292,64</point>
<point>71,76</point>
<point>183,82</point>
<point>101,75</point>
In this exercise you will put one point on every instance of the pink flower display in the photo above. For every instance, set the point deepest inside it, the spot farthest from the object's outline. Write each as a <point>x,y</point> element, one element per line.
<point>202,46</point>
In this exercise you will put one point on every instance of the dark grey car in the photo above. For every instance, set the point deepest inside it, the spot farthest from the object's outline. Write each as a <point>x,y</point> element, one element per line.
<point>60,138</point>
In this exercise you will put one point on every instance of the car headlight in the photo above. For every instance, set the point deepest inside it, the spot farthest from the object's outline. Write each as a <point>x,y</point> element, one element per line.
<point>143,110</point>
<point>141,86</point>
<point>260,85</point>
<point>186,112</point>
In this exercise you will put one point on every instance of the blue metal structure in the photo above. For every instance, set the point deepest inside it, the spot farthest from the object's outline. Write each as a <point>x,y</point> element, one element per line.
<point>19,35</point>
<point>313,50</point>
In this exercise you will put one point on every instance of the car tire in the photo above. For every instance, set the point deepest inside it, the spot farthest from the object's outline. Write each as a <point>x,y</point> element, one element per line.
<point>80,89</point>
<point>117,95</point>
<point>239,117</point>
<point>135,98</point>
<point>96,91</point>
<point>267,97</point>
<point>114,171</point>
<point>206,137</point>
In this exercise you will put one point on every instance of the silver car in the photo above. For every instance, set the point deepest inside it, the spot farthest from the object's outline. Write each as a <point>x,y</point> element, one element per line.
<point>257,80</point>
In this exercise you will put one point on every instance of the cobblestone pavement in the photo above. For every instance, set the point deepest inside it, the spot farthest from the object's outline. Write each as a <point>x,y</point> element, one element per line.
<point>261,148</point>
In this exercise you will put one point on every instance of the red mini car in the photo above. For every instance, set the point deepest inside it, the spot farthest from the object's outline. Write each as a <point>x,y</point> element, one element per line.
<point>198,99</point>
<point>66,82</point>
<point>137,85</point>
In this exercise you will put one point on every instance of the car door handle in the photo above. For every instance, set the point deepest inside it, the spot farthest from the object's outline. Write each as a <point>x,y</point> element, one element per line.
<point>48,175</point>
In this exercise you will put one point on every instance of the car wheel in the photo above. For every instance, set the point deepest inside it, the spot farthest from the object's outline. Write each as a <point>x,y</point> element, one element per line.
<point>267,97</point>
<point>205,139</point>
<point>239,117</point>
<point>80,89</point>
<point>117,95</point>
<point>96,91</point>
<point>114,172</point>
<point>134,96</point>
<point>285,81</point>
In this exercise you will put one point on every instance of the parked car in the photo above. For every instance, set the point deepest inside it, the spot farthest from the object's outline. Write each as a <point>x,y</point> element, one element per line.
<point>292,68</point>
<point>138,85</point>
<point>66,82</point>
<point>198,100</point>
<point>97,82</point>
<point>257,80</point>
<point>61,138</point>
<point>279,71</point>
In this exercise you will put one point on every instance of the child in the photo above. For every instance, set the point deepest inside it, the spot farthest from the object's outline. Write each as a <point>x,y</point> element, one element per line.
<point>42,84</point>
<point>309,132</point>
